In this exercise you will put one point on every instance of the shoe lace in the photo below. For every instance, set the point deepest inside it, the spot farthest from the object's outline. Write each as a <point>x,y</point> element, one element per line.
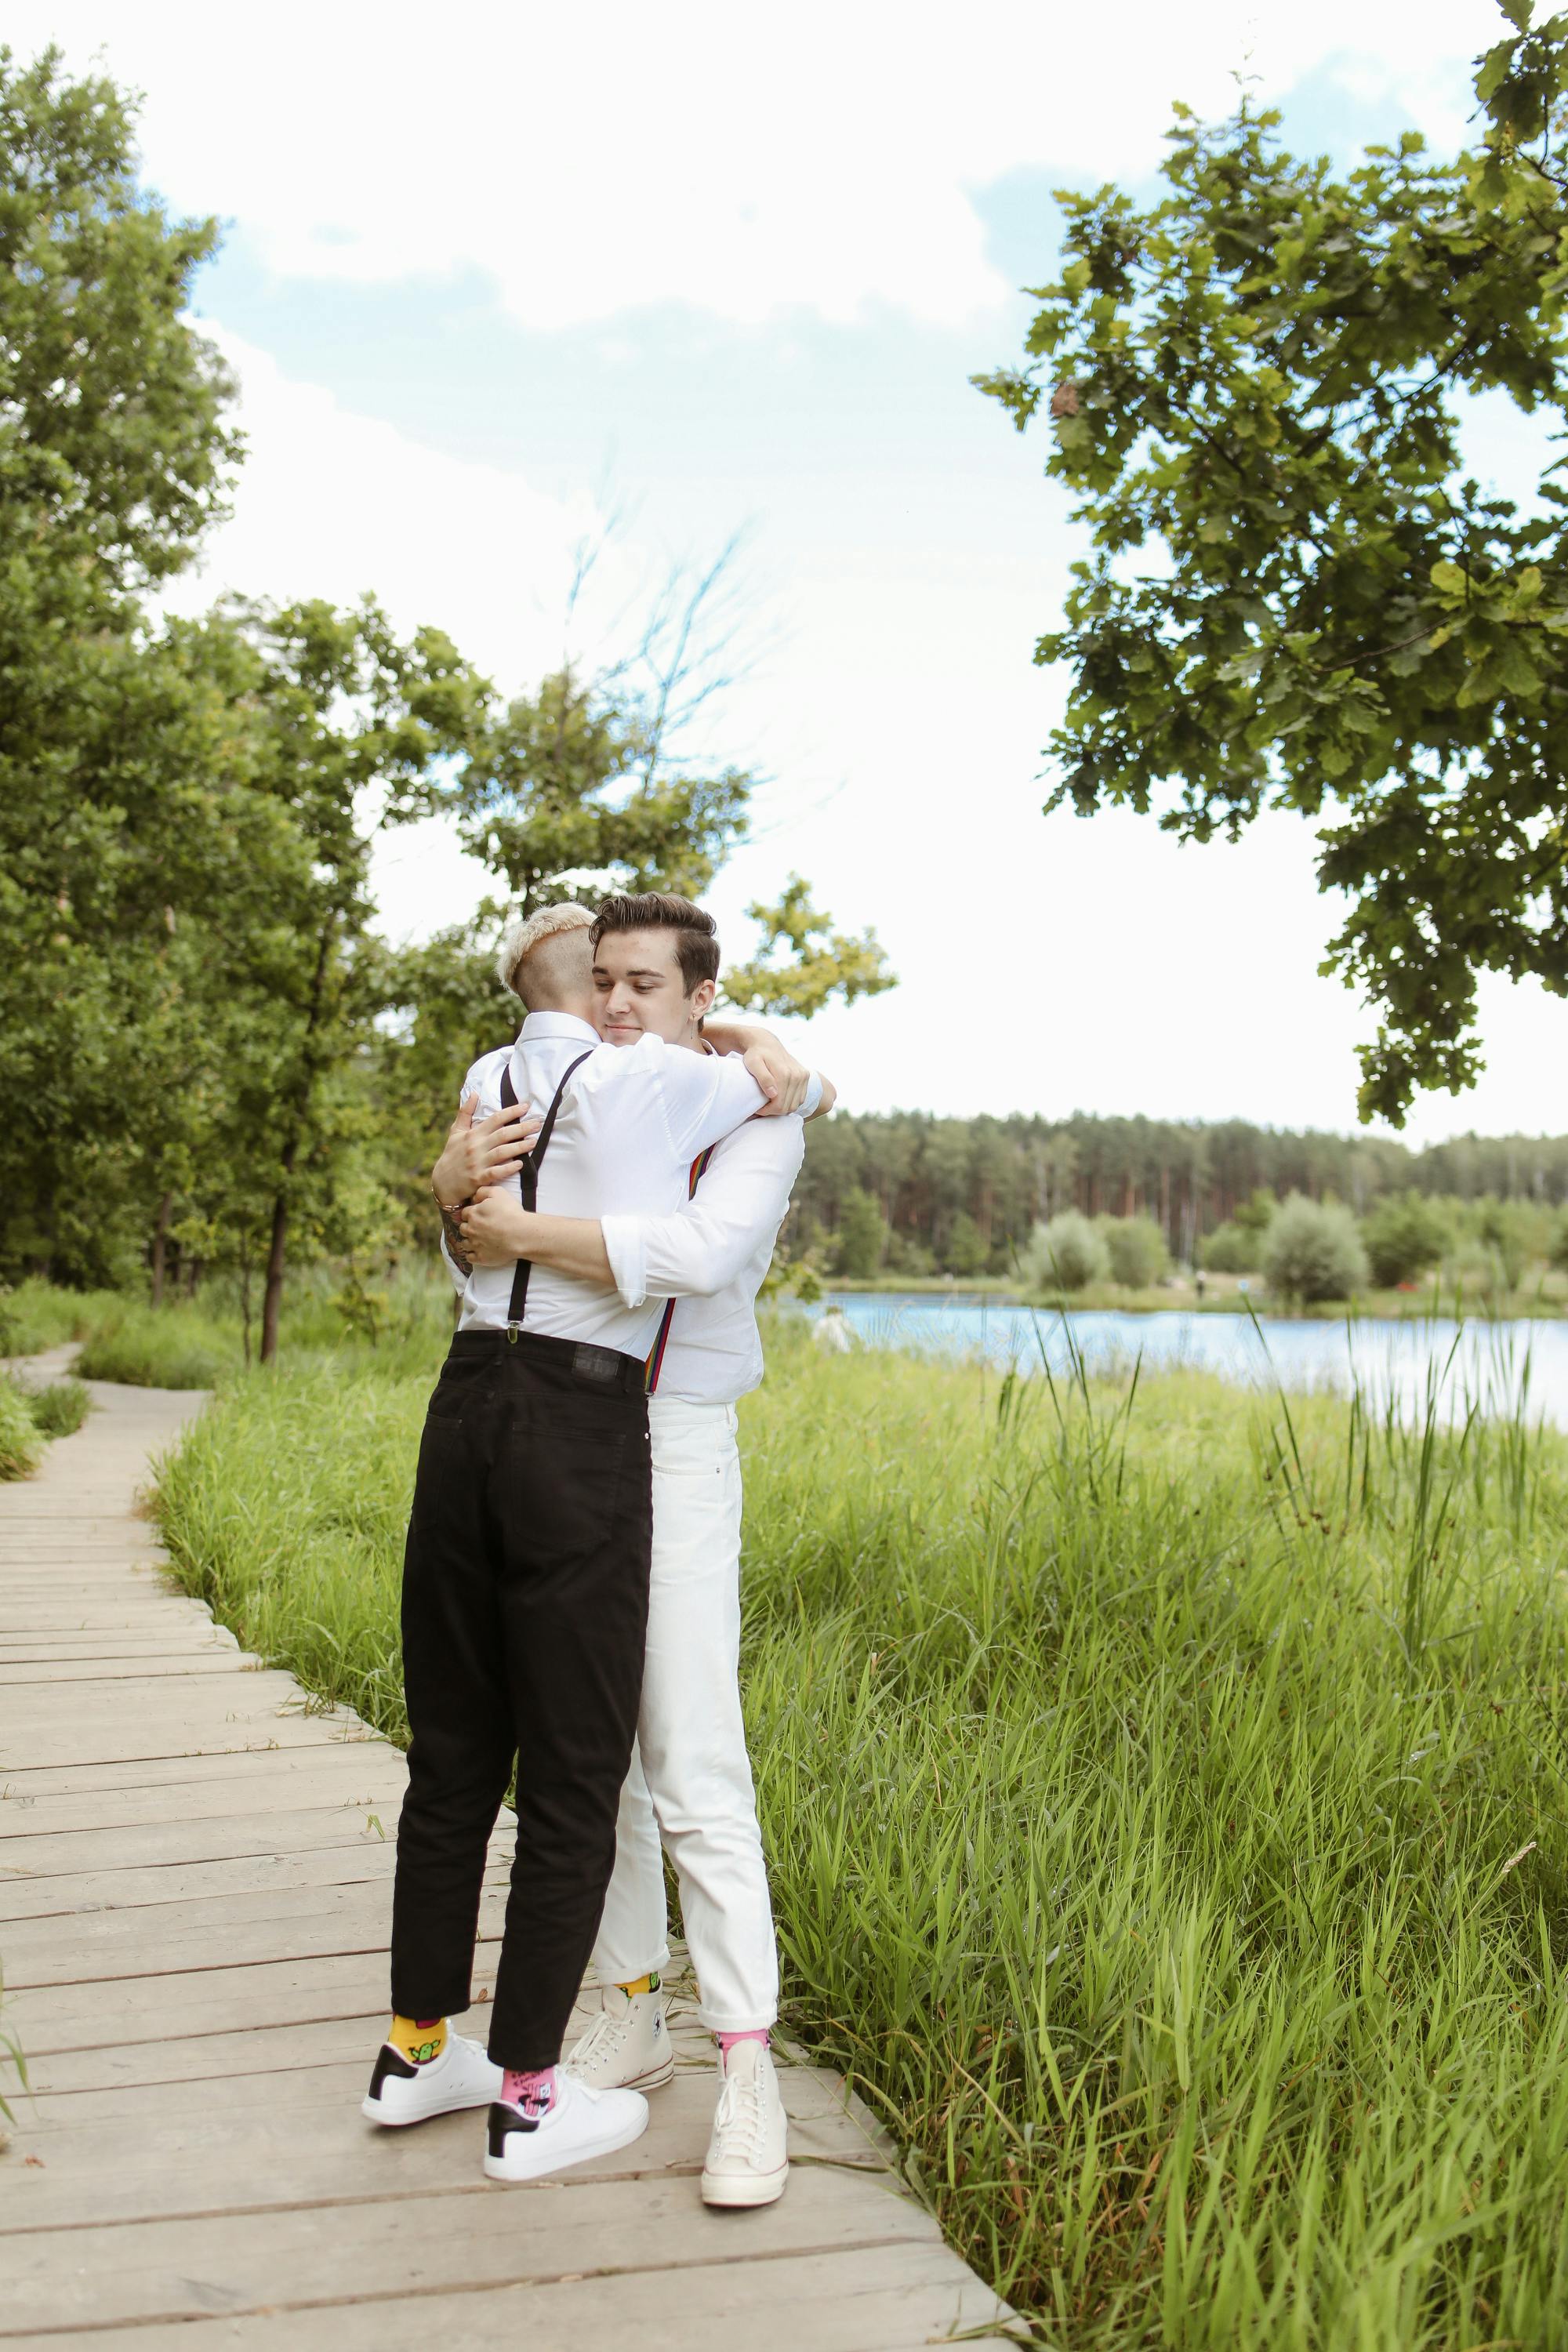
<point>741,2121</point>
<point>603,2040</point>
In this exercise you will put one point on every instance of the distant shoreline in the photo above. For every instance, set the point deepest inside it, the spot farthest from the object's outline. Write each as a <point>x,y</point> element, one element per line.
<point>1221,1297</point>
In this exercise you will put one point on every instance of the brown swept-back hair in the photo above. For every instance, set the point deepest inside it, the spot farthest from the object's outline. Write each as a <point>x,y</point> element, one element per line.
<point>696,932</point>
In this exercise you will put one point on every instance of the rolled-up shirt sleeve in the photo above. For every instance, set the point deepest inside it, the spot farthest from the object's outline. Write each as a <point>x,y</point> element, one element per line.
<point>739,1206</point>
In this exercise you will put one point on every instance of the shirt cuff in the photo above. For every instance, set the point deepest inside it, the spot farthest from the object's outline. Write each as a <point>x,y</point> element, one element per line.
<point>812,1094</point>
<point>628,1260</point>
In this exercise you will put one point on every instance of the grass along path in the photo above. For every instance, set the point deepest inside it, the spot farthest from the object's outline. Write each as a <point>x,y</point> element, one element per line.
<point>1165,1801</point>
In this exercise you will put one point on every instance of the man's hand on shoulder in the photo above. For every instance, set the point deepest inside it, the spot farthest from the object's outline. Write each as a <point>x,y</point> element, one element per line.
<point>784,1080</point>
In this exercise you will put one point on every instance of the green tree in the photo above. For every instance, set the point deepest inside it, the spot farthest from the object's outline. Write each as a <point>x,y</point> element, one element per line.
<point>1258,380</point>
<point>346,714</point>
<point>1233,1248</point>
<point>1557,1253</point>
<point>1510,1229</point>
<point>114,456</point>
<point>572,785</point>
<point>1404,1237</point>
<point>1313,1252</point>
<point>965,1254</point>
<point>820,962</point>
<point>862,1236</point>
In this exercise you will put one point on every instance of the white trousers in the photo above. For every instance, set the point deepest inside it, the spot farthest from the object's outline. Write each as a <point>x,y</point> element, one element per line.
<point>690,1780</point>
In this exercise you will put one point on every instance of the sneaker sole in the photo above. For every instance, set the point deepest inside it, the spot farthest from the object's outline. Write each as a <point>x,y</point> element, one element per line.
<point>654,2080</point>
<point>503,2167</point>
<point>730,2189</point>
<point>374,2112</point>
<point>657,2079</point>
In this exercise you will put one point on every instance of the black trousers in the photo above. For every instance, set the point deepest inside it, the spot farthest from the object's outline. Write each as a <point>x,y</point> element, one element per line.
<point>524,1621</point>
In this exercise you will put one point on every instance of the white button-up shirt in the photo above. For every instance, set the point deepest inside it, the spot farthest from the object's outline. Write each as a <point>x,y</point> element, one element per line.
<point>711,1258</point>
<point>631,1122</point>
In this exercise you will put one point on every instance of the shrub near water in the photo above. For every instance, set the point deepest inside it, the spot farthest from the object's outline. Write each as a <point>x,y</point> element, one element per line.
<point>1312,1252</point>
<point>1066,1255</point>
<point>1165,1807</point>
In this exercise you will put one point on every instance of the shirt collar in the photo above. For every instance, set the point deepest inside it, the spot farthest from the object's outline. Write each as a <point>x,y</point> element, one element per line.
<point>539,1025</point>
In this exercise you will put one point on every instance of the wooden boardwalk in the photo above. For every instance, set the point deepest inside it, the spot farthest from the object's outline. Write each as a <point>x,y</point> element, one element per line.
<point>195,1892</point>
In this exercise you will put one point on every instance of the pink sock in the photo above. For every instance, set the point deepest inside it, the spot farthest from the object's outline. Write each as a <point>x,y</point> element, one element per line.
<point>754,2033</point>
<point>534,2092</point>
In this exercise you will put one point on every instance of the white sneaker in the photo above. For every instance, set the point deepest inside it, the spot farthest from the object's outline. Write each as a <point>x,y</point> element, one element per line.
<point>748,2163</point>
<point>582,2124</point>
<point>404,2094</point>
<point>627,2046</point>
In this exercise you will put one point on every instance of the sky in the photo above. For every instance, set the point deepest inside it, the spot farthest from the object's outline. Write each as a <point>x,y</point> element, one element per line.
<point>491,278</point>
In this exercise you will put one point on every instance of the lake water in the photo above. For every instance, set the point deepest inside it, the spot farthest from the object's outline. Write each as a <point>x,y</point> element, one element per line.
<point>1493,1363</point>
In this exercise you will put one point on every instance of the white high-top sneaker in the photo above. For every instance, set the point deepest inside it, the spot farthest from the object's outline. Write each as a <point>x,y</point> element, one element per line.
<point>627,2047</point>
<point>748,2162</point>
<point>581,2125</point>
<point>404,2094</point>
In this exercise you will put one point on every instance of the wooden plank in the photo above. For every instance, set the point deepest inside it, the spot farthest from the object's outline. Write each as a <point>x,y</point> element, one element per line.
<point>342,1775</point>
<point>162,2271</point>
<point>349,1860</point>
<point>67,1611</point>
<point>151,1739</point>
<point>218,1838</point>
<point>888,2298</point>
<point>129,1613</point>
<point>196,1639</point>
<point>58,1673</point>
<point>249,1995</point>
<point>224,1932</point>
<point>66,1520</point>
<point>261,1691</point>
<point>202,1769</point>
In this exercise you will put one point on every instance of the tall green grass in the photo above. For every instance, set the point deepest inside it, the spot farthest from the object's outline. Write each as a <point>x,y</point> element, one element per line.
<point>35,1316</point>
<point>1165,1795</point>
<point>197,1343</point>
<point>30,1415</point>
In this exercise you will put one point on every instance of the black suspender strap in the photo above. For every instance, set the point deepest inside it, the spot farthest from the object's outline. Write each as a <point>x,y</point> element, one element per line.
<point>528,1176</point>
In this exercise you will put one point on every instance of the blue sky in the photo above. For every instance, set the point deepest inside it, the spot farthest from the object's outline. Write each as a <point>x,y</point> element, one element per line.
<point>729,270</point>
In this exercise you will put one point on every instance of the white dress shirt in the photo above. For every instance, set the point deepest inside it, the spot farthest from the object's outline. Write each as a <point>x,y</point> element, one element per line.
<point>711,1258</point>
<point>631,1122</point>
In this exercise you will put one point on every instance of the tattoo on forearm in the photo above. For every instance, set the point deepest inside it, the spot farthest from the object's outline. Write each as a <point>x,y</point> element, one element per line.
<point>451,1226</point>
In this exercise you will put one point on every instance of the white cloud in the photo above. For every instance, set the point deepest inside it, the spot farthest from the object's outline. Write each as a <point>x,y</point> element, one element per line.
<point>744,160</point>
<point>333,504</point>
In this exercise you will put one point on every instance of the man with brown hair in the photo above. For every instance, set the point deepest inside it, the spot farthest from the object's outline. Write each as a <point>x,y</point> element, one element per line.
<point>525,1580</point>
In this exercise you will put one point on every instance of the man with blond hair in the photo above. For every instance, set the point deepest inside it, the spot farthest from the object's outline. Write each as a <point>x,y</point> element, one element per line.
<point>526,1572</point>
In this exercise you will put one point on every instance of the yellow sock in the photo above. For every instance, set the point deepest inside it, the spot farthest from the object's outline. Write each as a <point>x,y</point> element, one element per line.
<point>419,2039</point>
<point>640,1984</point>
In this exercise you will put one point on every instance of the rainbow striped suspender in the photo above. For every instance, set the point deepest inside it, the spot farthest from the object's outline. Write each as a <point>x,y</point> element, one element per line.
<point>656,1353</point>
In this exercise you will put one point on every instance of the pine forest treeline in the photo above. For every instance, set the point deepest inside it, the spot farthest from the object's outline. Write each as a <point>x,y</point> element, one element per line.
<point>965,1193</point>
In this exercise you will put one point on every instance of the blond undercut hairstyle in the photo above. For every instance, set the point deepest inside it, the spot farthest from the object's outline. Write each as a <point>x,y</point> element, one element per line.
<point>541,958</point>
